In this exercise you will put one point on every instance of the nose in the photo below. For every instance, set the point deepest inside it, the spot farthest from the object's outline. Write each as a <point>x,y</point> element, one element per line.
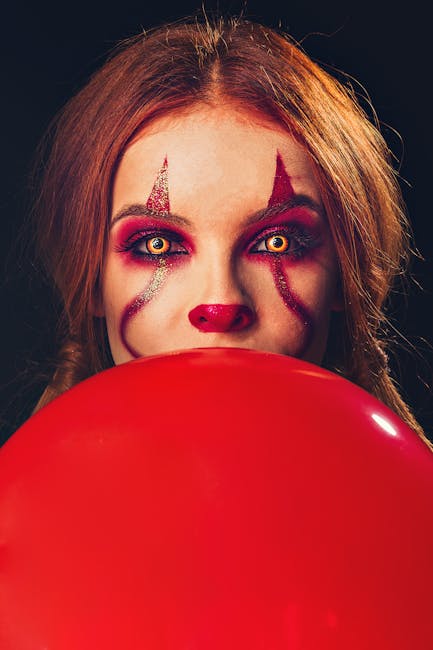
<point>221,318</point>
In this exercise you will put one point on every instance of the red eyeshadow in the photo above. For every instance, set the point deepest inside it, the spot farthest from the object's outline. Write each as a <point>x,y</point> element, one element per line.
<point>158,202</point>
<point>297,216</point>
<point>145,224</point>
<point>133,229</point>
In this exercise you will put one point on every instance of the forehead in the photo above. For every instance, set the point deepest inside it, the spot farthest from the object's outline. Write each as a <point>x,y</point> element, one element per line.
<point>221,159</point>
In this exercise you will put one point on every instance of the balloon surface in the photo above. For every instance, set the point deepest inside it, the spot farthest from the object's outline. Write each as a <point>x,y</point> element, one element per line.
<point>216,499</point>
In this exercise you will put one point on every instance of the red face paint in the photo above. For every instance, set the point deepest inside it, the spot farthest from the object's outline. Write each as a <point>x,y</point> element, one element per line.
<point>218,318</point>
<point>295,223</point>
<point>159,204</point>
<point>293,303</point>
<point>158,201</point>
<point>139,302</point>
<point>221,318</point>
<point>134,231</point>
<point>283,191</point>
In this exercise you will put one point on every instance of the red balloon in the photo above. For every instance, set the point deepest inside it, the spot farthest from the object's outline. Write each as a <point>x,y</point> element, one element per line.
<point>216,499</point>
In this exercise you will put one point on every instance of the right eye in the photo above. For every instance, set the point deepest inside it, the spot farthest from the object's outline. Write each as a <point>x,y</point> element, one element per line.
<point>276,244</point>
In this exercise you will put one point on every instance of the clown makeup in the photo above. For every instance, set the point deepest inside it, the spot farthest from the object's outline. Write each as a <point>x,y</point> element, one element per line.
<point>218,238</point>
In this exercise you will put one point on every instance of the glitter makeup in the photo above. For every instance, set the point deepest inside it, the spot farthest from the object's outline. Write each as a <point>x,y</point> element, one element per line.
<point>158,201</point>
<point>300,231</point>
<point>131,238</point>
<point>159,204</point>
<point>140,301</point>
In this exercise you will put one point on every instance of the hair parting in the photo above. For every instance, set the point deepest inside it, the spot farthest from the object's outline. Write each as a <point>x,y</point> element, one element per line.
<point>176,68</point>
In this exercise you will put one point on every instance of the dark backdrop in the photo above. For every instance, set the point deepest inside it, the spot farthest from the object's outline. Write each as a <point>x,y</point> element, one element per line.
<point>47,53</point>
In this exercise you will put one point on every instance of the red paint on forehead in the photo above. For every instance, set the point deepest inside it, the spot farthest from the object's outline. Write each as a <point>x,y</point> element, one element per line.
<point>282,190</point>
<point>158,201</point>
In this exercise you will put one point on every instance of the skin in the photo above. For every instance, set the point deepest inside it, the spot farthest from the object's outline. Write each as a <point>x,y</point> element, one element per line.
<point>228,176</point>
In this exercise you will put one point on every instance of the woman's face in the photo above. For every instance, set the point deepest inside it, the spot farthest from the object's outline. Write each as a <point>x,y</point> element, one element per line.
<point>218,238</point>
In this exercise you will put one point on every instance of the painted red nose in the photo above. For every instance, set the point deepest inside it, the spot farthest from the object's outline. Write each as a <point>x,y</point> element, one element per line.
<point>221,318</point>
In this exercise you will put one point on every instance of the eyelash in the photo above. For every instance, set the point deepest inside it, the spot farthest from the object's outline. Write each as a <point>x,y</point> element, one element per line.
<point>138,239</point>
<point>303,239</point>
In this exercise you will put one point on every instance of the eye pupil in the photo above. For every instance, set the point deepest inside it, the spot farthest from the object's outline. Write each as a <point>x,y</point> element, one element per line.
<point>158,245</point>
<point>277,244</point>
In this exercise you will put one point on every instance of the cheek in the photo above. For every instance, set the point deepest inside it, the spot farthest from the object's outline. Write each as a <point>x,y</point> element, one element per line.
<point>121,282</point>
<point>139,302</point>
<point>287,294</point>
<point>293,303</point>
<point>303,288</point>
<point>135,284</point>
<point>127,287</point>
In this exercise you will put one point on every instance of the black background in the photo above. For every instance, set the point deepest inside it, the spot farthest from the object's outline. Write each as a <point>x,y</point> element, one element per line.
<point>48,52</point>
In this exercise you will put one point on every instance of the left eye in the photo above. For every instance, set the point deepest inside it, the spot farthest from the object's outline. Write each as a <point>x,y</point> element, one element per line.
<point>158,245</point>
<point>155,245</point>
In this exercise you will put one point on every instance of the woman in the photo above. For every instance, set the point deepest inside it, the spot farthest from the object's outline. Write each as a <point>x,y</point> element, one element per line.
<point>211,185</point>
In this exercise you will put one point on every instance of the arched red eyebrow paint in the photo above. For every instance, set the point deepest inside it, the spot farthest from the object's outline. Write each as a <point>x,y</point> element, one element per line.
<point>158,201</point>
<point>282,190</point>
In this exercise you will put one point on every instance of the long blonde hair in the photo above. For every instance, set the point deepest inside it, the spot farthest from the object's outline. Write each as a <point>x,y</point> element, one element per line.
<point>174,67</point>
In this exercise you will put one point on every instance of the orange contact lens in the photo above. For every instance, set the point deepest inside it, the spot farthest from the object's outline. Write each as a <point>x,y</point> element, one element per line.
<point>277,243</point>
<point>158,245</point>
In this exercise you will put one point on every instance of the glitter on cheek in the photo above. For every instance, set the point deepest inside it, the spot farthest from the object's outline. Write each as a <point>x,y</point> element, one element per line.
<point>140,301</point>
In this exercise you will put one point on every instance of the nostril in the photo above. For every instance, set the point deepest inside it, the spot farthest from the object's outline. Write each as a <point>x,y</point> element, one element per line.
<point>221,318</point>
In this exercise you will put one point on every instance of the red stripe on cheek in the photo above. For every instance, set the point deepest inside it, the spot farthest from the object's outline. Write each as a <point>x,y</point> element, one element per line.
<point>158,203</point>
<point>282,191</point>
<point>294,304</point>
<point>140,301</point>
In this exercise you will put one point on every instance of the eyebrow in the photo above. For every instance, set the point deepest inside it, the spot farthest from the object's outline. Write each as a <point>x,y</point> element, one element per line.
<point>141,210</point>
<point>296,201</point>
